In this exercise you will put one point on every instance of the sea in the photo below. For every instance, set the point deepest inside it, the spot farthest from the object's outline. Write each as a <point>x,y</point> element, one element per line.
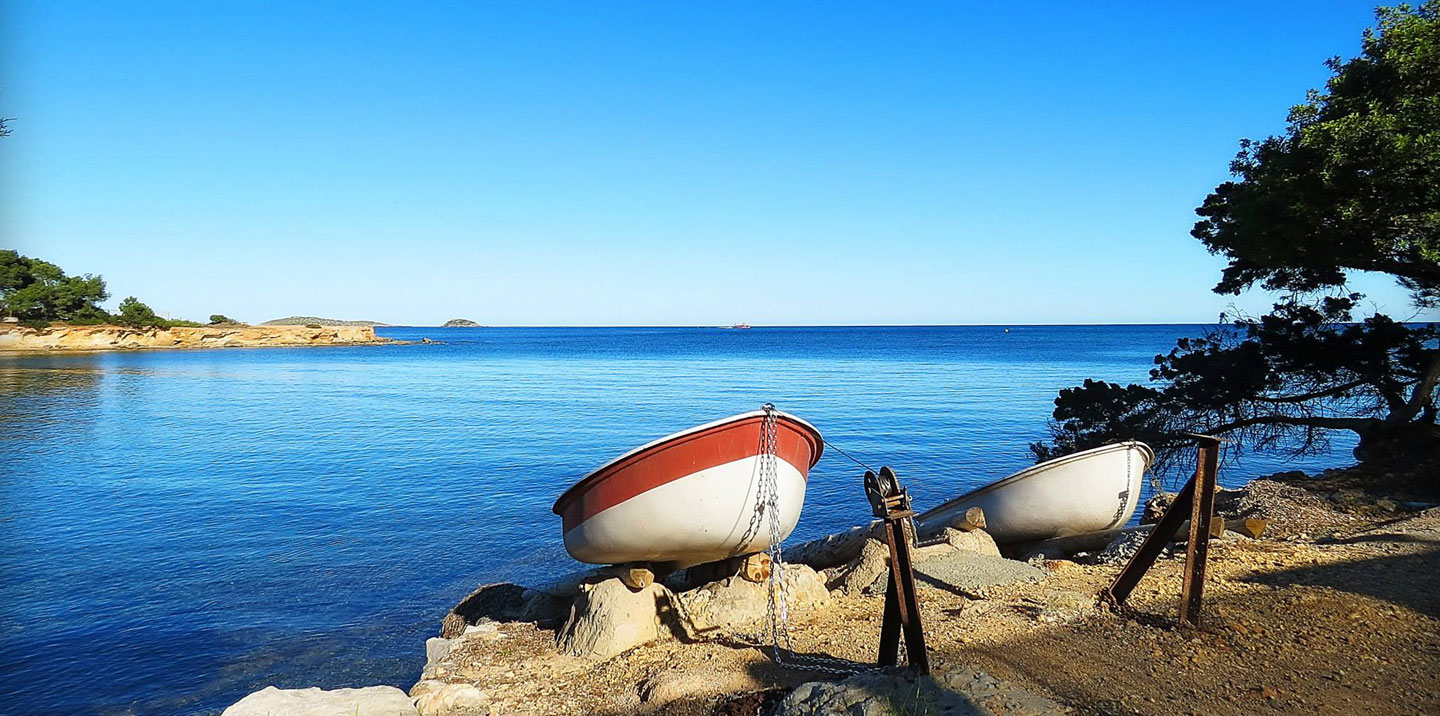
<point>179,528</point>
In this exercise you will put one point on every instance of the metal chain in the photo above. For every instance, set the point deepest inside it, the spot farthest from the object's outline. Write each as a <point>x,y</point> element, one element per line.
<point>768,502</point>
<point>767,505</point>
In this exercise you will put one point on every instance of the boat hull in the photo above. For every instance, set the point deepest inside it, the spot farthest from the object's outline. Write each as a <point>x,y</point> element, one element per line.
<point>691,497</point>
<point>1088,491</point>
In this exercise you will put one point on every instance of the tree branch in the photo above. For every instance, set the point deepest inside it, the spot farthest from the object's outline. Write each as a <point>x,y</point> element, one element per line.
<point>1359,425</point>
<point>1336,390</point>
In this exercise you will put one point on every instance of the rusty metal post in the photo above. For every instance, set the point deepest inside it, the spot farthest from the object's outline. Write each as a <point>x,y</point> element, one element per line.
<point>1119,590</point>
<point>1202,511</point>
<point>902,606</point>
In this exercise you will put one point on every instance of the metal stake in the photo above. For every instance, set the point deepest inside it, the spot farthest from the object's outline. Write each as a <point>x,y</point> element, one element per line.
<point>1200,512</point>
<point>902,607</point>
<point>1197,550</point>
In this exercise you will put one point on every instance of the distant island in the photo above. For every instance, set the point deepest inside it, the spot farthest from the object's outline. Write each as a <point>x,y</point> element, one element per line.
<point>460,323</point>
<point>313,321</point>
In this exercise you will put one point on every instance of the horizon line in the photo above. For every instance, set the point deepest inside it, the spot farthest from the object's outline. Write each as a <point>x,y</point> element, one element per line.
<point>803,325</point>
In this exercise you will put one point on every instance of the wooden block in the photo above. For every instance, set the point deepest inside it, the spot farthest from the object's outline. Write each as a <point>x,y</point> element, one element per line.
<point>634,576</point>
<point>974,520</point>
<point>755,567</point>
<point>1250,527</point>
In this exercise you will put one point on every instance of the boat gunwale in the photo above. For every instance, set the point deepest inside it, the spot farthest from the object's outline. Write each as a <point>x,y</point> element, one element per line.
<point>1039,468</point>
<point>697,431</point>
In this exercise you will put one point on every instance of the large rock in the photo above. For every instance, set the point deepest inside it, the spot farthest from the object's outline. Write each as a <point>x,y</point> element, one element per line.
<point>963,692</point>
<point>734,602</point>
<point>978,541</point>
<point>610,619</point>
<point>503,602</point>
<point>369,701</point>
<point>437,698</point>
<point>438,649</point>
<point>867,568</point>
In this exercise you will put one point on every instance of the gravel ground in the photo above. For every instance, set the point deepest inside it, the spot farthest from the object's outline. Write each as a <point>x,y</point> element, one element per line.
<point>1341,623</point>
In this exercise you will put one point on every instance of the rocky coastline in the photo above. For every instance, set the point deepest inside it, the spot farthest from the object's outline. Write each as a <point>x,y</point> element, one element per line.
<point>1332,608</point>
<point>103,338</point>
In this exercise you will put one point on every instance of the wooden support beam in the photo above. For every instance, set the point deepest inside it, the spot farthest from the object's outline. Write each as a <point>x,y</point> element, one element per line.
<point>1197,551</point>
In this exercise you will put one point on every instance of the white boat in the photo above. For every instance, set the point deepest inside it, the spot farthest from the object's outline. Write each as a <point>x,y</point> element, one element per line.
<point>1088,491</point>
<point>692,497</point>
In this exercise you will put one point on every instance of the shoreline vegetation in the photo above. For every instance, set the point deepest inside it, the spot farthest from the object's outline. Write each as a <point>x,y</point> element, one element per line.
<point>44,309</point>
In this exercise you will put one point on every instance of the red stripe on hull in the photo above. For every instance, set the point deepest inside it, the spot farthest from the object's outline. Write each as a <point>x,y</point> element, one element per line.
<point>686,454</point>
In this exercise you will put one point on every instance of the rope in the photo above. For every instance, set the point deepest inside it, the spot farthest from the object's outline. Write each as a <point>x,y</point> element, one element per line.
<point>847,455</point>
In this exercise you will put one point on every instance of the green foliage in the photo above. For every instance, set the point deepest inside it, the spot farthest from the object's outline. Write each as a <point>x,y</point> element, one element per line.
<point>220,319</point>
<point>37,291</point>
<point>1284,380</point>
<point>1353,184</point>
<point>136,314</point>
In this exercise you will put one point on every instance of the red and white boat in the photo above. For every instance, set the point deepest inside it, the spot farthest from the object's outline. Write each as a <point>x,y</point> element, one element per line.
<point>692,497</point>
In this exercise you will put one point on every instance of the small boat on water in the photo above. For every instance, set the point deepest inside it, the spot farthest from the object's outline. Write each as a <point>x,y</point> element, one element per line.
<point>693,497</point>
<point>1088,491</point>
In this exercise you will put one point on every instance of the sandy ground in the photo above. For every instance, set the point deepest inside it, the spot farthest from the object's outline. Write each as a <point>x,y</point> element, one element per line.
<point>1341,624</point>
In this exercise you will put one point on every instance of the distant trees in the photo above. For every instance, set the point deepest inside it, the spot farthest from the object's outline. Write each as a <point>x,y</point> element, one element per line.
<point>38,291</point>
<point>136,314</point>
<point>1352,185</point>
<point>217,319</point>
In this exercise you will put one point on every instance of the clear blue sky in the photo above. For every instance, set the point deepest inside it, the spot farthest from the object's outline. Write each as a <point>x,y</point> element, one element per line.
<point>625,163</point>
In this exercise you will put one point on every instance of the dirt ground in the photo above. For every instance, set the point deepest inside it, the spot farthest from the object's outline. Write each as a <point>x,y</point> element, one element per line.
<point>1343,623</point>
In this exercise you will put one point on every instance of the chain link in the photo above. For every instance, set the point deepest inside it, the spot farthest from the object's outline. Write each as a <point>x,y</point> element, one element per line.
<point>767,509</point>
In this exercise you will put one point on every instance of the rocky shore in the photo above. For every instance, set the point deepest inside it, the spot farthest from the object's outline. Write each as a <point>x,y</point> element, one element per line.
<point>1334,609</point>
<point>99,338</point>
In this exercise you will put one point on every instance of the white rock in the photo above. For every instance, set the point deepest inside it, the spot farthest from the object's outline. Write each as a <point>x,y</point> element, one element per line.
<point>436,649</point>
<point>610,619</point>
<point>973,541</point>
<point>369,701</point>
<point>450,698</point>
<point>735,602</point>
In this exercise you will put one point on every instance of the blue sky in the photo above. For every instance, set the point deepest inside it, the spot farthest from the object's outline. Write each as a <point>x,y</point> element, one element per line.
<point>636,163</point>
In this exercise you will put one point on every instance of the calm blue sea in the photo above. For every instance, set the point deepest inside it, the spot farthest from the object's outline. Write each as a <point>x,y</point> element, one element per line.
<point>180,528</point>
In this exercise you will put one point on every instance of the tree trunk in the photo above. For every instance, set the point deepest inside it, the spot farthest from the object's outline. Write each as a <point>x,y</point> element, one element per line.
<point>1404,444</point>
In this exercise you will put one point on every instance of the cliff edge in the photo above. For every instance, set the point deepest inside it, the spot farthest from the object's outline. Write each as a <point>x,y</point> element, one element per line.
<point>99,338</point>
